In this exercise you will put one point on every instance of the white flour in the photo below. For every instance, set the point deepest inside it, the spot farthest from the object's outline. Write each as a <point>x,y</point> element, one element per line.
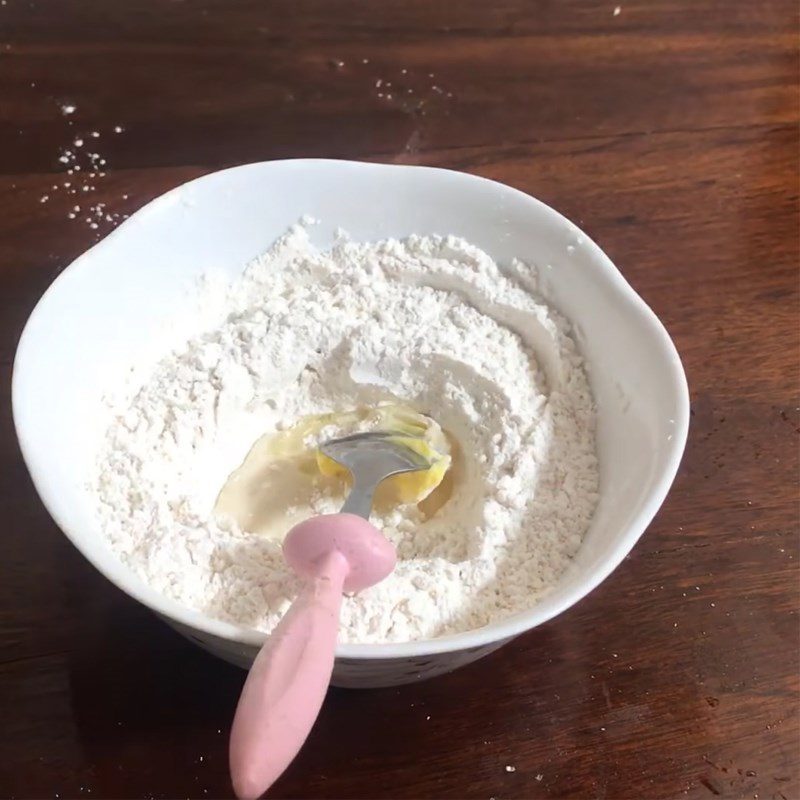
<point>428,321</point>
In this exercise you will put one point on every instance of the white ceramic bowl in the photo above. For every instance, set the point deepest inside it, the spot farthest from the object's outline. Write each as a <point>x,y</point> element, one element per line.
<point>122,293</point>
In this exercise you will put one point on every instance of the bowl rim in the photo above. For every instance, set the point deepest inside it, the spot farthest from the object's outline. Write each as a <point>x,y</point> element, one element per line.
<point>473,639</point>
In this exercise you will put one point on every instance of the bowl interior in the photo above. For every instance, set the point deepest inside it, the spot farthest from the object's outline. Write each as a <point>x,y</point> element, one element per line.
<point>124,300</point>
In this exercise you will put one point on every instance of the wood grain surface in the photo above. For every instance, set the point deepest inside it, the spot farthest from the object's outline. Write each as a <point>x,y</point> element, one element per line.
<point>669,131</point>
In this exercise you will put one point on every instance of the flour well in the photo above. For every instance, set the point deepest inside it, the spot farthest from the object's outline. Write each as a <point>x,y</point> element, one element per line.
<point>430,322</point>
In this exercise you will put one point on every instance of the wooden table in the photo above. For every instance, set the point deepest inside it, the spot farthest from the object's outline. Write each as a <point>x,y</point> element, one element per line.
<point>668,130</point>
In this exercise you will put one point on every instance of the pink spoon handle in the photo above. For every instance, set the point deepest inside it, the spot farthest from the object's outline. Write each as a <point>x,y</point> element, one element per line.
<point>287,682</point>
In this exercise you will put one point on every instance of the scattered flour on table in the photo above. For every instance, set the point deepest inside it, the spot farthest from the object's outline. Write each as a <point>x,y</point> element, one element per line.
<point>428,321</point>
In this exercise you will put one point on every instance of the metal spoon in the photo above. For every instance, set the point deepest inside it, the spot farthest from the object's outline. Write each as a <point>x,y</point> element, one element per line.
<point>371,458</point>
<point>335,553</point>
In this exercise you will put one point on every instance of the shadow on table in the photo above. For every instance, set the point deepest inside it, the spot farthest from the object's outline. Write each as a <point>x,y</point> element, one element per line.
<point>152,711</point>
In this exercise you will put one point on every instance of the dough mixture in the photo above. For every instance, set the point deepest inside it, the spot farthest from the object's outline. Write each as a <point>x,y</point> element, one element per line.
<point>304,340</point>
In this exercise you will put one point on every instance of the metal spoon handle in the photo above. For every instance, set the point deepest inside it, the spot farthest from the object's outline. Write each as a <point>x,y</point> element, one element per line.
<point>359,501</point>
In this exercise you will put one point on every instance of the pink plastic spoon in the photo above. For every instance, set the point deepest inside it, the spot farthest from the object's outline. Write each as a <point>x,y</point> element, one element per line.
<point>335,553</point>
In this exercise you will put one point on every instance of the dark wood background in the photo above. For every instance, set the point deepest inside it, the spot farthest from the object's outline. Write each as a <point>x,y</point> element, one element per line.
<point>669,131</point>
